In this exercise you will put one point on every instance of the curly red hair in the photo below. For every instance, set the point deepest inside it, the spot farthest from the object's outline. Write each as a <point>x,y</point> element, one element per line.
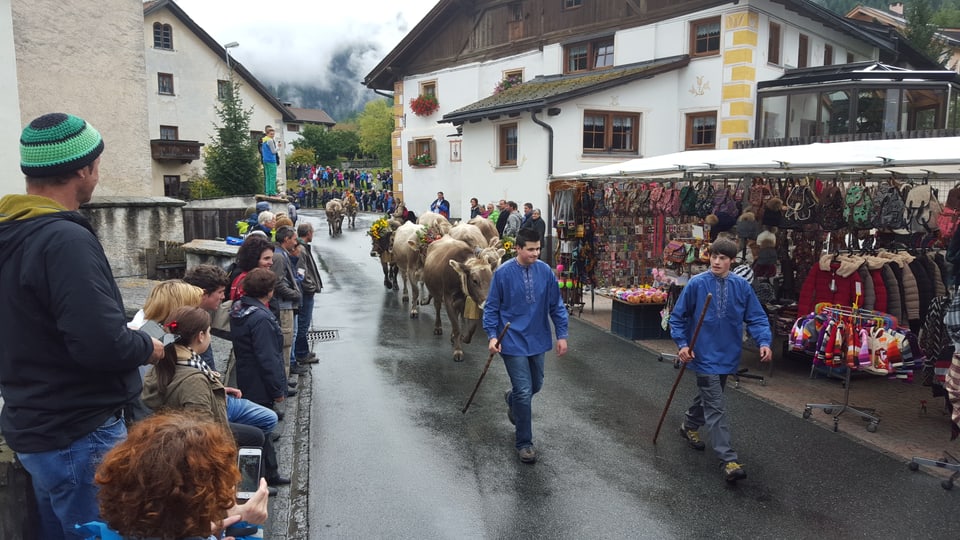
<point>174,474</point>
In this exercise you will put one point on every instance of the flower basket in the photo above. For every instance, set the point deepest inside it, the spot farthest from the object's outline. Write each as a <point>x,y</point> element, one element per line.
<point>423,160</point>
<point>506,83</point>
<point>424,105</point>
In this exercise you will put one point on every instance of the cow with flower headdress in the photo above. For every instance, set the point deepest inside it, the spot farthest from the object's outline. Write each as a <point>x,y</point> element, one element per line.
<point>350,208</point>
<point>381,236</point>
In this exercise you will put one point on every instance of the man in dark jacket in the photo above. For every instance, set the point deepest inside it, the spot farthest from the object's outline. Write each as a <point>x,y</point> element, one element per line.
<point>68,364</point>
<point>287,292</point>
<point>257,341</point>
<point>311,285</point>
<point>504,214</point>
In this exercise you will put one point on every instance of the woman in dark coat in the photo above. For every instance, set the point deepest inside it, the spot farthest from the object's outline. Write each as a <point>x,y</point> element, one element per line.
<point>257,341</point>
<point>537,224</point>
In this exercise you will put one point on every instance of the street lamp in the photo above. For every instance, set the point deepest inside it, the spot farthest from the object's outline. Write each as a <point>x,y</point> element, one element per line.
<point>226,50</point>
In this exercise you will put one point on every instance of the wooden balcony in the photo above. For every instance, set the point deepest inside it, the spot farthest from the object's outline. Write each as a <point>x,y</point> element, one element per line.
<point>845,137</point>
<point>175,150</point>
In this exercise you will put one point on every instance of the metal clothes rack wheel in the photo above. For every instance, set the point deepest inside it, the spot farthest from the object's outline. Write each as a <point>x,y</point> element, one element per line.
<point>949,462</point>
<point>829,408</point>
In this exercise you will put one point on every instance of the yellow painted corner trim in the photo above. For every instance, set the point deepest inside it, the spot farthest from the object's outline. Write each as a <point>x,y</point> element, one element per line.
<point>741,108</point>
<point>745,37</point>
<point>729,127</point>
<point>738,56</point>
<point>742,19</point>
<point>743,73</point>
<point>736,91</point>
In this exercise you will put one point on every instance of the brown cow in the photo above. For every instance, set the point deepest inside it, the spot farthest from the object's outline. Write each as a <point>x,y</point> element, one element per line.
<point>434,220</point>
<point>452,273</point>
<point>487,227</point>
<point>350,208</point>
<point>334,210</point>
<point>382,248</point>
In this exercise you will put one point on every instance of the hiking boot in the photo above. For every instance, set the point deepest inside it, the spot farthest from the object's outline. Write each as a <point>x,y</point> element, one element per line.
<point>299,370</point>
<point>527,454</point>
<point>732,471</point>
<point>692,437</point>
<point>308,359</point>
<point>506,397</point>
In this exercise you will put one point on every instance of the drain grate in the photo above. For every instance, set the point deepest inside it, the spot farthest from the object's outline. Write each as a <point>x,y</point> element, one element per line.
<point>318,336</point>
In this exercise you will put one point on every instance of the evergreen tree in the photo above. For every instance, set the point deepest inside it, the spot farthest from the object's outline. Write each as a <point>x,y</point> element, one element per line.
<point>232,161</point>
<point>922,32</point>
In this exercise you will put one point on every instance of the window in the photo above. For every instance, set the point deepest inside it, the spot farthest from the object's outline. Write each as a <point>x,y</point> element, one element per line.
<point>571,4</point>
<point>165,83</point>
<point>169,133</point>
<point>162,36</point>
<point>803,51</point>
<point>223,89</point>
<point>610,132</point>
<point>171,185</point>
<point>422,152</point>
<point>701,130</point>
<point>508,145</point>
<point>827,55</point>
<point>428,88</point>
<point>293,128</point>
<point>773,45</point>
<point>513,75</point>
<point>705,37</point>
<point>590,55</point>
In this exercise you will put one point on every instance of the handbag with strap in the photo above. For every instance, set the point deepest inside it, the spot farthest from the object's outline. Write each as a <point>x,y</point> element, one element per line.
<point>220,320</point>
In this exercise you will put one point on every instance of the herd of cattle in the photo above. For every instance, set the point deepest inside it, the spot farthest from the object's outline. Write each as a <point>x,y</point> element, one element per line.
<point>336,210</point>
<point>454,262</point>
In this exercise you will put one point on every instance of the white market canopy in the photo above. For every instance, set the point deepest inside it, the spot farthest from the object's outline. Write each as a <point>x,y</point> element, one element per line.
<point>935,156</point>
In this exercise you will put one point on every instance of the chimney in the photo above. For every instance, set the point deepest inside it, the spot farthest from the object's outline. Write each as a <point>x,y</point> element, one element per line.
<point>896,7</point>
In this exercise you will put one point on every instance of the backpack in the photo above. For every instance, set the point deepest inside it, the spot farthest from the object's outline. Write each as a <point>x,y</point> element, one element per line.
<point>725,208</point>
<point>759,194</point>
<point>688,200</point>
<point>888,208</point>
<point>802,205</point>
<point>923,208</point>
<point>858,207</point>
<point>705,191</point>
<point>831,208</point>
<point>950,214</point>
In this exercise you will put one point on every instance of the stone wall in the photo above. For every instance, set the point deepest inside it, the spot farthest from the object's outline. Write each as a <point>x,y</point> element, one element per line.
<point>126,226</point>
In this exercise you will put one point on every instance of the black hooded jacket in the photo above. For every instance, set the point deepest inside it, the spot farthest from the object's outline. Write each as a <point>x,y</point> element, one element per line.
<point>68,361</point>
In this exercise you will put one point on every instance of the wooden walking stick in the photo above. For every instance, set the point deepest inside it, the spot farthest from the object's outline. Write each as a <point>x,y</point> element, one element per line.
<point>683,366</point>
<point>484,373</point>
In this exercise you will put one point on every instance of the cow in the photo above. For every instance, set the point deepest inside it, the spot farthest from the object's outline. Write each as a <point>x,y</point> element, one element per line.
<point>382,248</point>
<point>408,255</point>
<point>487,227</point>
<point>334,210</point>
<point>470,234</point>
<point>452,272</point>
<point>434,220</point>
<point>350,207</point>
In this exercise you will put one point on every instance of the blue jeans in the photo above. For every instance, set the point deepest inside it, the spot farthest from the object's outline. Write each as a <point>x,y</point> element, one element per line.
<point>293,342</point>
<point>710,409</point>
<point>526,375</point>
<point>246,412</point>
<point>301,347</point>
<point>63,480</point>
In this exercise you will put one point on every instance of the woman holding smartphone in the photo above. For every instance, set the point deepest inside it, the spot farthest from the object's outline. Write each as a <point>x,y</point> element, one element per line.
<point>182,380</point>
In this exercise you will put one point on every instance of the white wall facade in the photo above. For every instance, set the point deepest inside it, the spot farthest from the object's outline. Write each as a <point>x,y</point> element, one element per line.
<point>72,58</point>
<point>722,83</point>
<point>11,179</point>
<point>192,109</point>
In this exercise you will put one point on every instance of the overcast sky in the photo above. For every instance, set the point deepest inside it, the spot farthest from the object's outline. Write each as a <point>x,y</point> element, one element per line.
<point>292,40</point>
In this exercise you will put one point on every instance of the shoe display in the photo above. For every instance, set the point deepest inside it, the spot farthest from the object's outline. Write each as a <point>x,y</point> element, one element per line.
<point>527,454</point>
<point>278,481</point>
<point>733,471</point>
<point>291,392</point>
<point>692,437</point>
<point>298,370</point>
<point>506,397</point>
<point>308,359</point>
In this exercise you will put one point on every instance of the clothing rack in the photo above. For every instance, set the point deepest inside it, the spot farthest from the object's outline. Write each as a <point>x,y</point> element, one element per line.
<point>949,462</point>
<point>868,414</point>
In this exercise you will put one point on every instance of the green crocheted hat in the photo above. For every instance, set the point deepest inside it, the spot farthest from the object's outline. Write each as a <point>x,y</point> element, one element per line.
<point>56,144</point>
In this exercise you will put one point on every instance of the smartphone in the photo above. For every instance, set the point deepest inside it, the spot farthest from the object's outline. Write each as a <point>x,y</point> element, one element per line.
<point>249,462</point>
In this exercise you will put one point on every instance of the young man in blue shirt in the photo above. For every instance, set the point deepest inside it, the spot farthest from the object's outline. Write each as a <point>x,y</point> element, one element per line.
<point>717,351</point>
<point>524,292</point>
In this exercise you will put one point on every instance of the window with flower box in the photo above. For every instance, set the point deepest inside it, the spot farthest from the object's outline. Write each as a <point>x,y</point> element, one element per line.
<point>422,152</point>
<point>610,132</point>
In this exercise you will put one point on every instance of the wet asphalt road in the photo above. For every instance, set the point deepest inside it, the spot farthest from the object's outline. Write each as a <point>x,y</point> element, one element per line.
<point>391,455</point>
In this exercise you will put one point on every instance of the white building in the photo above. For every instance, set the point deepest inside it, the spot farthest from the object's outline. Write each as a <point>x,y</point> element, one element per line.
<point>603,81</point>
<point>304,117</point>
<point>187,72</point>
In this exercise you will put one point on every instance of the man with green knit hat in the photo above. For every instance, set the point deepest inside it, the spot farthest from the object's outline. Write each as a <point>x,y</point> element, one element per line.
<point>69,364</point>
